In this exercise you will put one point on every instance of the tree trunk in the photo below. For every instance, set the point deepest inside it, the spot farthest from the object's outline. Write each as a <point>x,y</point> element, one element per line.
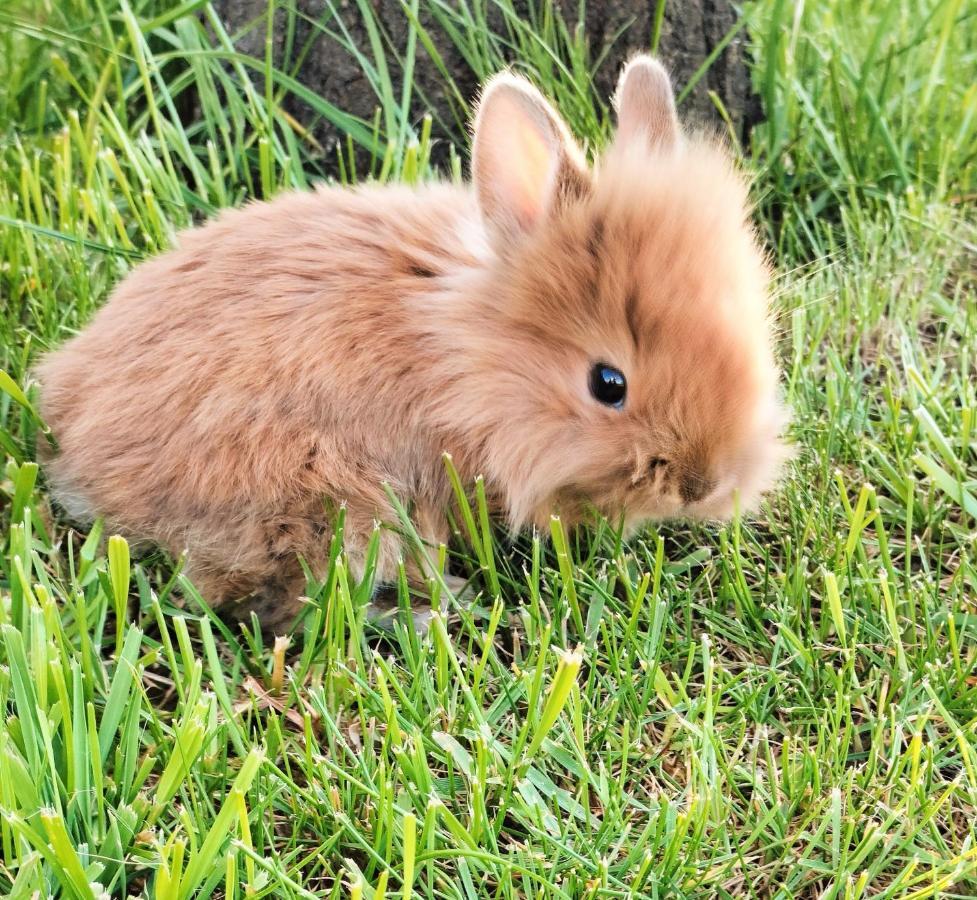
<point>614,29</point>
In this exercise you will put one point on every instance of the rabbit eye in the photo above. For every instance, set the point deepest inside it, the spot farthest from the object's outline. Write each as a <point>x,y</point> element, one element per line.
<point>608,385</point>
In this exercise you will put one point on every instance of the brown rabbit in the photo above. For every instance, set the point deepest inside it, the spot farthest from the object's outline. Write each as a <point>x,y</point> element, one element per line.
<point>585,340</point>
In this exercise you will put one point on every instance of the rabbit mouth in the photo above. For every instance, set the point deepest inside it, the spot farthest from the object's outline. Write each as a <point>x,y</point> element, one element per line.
<point>742,493</point>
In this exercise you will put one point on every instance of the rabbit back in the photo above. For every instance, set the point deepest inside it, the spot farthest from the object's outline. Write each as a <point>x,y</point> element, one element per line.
<point>267,368</point>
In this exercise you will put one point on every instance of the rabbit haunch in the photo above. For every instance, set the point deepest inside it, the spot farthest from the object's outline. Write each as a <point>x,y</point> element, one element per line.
<point>294,355</point>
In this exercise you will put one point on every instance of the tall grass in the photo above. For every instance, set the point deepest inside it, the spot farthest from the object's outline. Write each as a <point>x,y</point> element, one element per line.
<point>784,707</point>
<point>862,105</point>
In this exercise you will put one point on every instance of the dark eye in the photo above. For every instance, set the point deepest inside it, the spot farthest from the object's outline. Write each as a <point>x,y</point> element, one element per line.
<point>608,385</point>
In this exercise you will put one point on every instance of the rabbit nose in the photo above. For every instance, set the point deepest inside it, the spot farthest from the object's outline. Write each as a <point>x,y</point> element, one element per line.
<point>694,487</point>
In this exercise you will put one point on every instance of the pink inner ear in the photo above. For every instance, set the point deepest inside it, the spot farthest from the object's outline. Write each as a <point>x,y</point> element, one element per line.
<point>531,178</point>
<point>518,161</point>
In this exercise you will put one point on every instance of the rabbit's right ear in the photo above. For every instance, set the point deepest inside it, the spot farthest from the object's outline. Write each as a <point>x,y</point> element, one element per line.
<point>524,162</point>
<point>646,104</point>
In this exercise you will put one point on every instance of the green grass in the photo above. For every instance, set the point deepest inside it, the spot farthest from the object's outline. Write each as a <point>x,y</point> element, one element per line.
<point>784,707</point>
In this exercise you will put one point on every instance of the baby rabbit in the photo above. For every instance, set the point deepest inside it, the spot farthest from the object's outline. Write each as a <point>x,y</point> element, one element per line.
<point>585,340</point>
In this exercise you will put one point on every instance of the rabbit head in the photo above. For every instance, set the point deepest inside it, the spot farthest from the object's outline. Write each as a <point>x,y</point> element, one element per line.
<point>621,360</point>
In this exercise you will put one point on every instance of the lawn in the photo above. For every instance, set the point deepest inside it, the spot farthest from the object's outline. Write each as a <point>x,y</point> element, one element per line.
<point>781,707</point>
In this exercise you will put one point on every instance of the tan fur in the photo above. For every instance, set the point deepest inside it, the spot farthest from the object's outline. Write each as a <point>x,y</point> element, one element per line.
<point>292,356</point>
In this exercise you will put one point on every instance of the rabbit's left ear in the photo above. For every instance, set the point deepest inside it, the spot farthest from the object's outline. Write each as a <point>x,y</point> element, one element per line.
<point>646,105</point>
<point>524,162</point>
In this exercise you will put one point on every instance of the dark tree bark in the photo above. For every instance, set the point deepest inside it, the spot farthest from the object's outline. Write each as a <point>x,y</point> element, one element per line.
<point>691,30</point>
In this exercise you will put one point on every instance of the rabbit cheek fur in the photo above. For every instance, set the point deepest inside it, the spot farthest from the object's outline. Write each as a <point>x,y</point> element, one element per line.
<point>292,356</point>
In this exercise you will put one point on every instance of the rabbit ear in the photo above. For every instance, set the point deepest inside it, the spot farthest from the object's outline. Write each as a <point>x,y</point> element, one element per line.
<point>646,105</point>
<point>524,162</point>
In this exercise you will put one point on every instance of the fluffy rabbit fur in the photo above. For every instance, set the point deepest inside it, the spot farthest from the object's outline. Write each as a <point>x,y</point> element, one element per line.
<point>292,356</point>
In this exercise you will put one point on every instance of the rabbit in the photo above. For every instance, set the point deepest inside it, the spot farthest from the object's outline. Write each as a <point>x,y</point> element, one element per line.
<point>588,341</point>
